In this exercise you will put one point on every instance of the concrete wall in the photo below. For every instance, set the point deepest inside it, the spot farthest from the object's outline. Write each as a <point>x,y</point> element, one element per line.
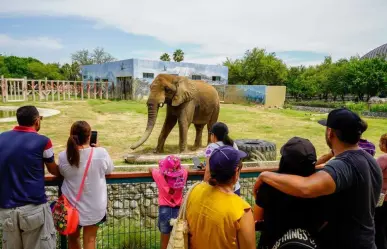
<point>275,96</point>
<point>269,96</point>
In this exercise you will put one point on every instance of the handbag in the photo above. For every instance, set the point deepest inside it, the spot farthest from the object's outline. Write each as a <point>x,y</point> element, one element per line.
<point>65,215</point>
<point>179,234</point>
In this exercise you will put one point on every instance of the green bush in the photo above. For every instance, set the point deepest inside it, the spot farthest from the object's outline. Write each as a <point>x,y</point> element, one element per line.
<point>357,107</point>
<point>378,108</point>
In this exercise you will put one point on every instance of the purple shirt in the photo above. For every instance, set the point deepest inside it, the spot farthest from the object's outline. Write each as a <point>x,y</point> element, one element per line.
<point>367,146</point>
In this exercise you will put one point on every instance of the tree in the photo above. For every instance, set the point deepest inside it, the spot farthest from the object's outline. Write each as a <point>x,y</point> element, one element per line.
<point>83,57</point>
<point>257,67</point>
<point>178,55</point>
<point>100,56</point>
<point>165,57</point>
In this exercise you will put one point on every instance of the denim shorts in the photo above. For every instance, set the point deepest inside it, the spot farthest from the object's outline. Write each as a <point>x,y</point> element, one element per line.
<point>165,215</point>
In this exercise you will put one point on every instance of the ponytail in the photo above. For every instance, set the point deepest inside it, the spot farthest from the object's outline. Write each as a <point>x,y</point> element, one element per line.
<point>227,140</point>
<point>79,135</point>
<point>72,151</point>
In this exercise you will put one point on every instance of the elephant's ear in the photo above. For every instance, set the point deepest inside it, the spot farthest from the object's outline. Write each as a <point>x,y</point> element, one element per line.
<point>185,91</point>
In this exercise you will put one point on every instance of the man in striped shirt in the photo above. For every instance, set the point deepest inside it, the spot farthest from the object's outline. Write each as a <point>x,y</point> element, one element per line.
<point>24,213</point>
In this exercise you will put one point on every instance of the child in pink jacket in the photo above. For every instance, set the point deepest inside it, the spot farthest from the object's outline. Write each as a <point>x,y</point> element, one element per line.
<point>170,179</point>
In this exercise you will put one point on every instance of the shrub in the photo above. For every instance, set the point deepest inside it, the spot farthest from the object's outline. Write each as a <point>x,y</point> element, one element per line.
<point>378,108</point>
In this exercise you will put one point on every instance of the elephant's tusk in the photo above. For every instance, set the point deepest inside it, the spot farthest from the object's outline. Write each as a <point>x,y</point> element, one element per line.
<point>161,105</point>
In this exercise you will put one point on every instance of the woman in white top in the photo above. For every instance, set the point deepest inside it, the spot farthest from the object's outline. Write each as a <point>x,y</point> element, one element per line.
<point>93,202</point>
<point>219,137</point>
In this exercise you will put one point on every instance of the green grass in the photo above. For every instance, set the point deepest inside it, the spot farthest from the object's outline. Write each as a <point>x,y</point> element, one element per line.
<point>121,123</point>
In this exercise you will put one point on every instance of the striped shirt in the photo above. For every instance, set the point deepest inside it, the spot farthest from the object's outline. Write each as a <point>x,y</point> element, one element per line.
<point>23,154</point>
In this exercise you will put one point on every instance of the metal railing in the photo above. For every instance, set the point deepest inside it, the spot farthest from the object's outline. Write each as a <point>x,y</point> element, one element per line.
<point>133,210</point>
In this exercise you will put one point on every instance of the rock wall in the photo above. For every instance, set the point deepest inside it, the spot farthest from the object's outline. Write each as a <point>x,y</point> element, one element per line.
<point>327,110</point>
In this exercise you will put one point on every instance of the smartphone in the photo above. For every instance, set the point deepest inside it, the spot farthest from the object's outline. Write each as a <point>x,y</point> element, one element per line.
<point>196,162</point>
<point>93,137</point>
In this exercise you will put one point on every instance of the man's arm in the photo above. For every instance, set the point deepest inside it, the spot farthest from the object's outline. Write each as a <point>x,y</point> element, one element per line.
<point>319,184</point>
<point>52,168</point>
<point>49,159</point>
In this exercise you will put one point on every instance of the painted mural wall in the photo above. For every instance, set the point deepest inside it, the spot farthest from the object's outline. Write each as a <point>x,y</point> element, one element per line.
<point>239,94</point>
<point>270,96</point>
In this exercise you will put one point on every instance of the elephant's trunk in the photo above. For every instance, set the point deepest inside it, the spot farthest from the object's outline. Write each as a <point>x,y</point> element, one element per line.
<point>152,116</point>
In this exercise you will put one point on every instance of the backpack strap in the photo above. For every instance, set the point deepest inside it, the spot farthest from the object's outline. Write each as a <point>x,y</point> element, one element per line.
<point>84,175</point>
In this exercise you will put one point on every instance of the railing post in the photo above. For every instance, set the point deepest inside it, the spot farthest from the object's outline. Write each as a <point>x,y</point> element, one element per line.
<point>64,89</point>
<point>95,90</point>
<point>3,89</point>
<point>75,90</point>
<point>88,89</point>
<point>58,87</point>
<point>107,90</point>
<point>40,89</point>
<point>33,90</point>
<point>82,90</point>
<point>45,89</point>
<point>52,91</point>
<point>24,89</point>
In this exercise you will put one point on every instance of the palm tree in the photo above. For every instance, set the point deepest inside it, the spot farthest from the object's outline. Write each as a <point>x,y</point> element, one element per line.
<point>178,55</point>
<point>165,57</point>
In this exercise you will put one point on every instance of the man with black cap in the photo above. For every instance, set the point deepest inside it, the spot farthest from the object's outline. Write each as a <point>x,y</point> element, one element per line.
<point>353,180</point>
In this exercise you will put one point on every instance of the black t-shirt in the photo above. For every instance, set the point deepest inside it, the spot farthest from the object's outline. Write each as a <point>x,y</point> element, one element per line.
<point>283,212</point>
<point>358,181</point>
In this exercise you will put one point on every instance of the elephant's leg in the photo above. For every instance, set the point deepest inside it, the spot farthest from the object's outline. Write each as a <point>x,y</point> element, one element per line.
<point>183,133</point>
<point>170,122</point>
<point>199,133</point>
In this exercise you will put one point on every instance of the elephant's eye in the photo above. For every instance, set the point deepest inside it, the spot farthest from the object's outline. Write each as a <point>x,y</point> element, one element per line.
<point>167,90</point>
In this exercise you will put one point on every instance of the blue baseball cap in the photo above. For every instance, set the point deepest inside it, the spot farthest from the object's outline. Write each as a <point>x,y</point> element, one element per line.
<point>225,158</point>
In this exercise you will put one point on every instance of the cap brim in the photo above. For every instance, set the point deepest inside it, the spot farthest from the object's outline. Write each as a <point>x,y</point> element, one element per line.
<point>322,122</point>
<point>242,154</point>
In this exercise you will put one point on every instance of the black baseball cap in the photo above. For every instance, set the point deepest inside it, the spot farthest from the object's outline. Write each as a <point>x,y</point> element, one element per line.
<point>344,120</point>
<point>299,149</point>
<point>298,157</point>
<point>219,129</point>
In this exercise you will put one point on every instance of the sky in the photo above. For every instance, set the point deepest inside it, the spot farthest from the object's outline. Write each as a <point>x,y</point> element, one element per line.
<point>208,31</point>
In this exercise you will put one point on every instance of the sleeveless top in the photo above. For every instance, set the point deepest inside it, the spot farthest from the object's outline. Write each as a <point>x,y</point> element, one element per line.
<point>213,218</point>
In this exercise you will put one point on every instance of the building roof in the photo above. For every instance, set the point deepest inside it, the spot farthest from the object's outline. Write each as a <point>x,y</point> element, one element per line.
<point>379,51</point>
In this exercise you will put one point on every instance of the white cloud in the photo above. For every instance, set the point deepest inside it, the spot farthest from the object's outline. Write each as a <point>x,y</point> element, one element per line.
<point>226,28</point>
<point>29,42</point>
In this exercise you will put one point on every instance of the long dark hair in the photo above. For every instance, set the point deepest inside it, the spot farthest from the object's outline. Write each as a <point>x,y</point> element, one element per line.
<point>79,135</point>
<point>220,131</point>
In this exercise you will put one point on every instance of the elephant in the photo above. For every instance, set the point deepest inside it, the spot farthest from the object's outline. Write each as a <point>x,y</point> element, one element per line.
<point>188,102</point>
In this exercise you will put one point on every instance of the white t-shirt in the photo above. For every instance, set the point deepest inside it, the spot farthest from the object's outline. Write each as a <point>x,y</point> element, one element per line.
<point>211,147</point>
<point>93,203</point>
